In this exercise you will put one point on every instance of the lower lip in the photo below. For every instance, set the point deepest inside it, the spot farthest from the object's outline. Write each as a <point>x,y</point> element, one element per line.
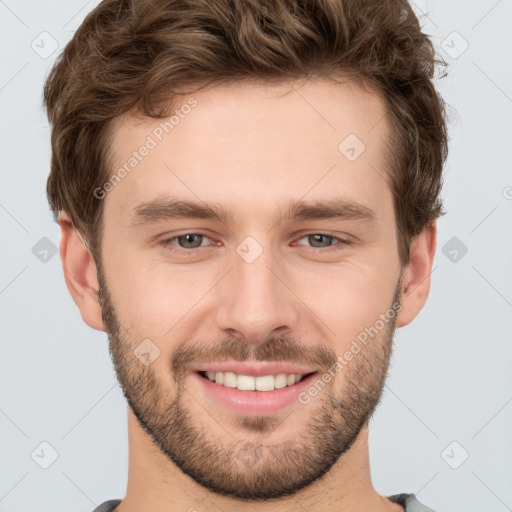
<point>254,402</point>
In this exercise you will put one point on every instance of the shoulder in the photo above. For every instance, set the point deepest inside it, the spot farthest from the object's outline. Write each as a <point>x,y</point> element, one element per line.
<point>410,503</point>
<point>107,506</point>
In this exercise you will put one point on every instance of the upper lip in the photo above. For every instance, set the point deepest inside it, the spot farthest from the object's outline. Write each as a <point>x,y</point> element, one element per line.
<point>254,369</point>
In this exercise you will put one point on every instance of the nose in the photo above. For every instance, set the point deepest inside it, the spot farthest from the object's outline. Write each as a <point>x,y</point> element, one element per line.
<point>255,301</point>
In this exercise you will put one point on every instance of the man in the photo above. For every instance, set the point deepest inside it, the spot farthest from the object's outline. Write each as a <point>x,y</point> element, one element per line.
<point>247,193</point>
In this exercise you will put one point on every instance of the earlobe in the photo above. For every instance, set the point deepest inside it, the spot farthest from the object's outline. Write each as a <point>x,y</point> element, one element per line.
<point>416,278</point>
<point>80,273</point>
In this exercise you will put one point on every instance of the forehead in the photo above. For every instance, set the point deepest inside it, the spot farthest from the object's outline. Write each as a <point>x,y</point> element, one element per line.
<point>258,140</point>
<point>308,110</point>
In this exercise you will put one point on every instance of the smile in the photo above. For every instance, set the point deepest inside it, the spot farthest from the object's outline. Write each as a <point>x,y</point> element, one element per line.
<point>250,383</point>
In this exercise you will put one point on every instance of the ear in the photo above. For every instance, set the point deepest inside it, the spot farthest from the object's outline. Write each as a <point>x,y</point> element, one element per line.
<point>80,273</point>
<point>416,277</point>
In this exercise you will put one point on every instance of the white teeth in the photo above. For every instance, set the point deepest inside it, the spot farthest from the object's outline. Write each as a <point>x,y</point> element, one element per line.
<point>246,383</point>
<point>265,383</point>
<point>249,383</point>
<point>280,381</point>
<point>229,379</point>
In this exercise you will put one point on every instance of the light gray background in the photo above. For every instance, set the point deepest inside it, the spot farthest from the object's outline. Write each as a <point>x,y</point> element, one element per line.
<point>451,378</point>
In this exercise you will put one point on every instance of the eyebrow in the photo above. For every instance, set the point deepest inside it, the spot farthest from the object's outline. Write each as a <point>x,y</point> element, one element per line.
<point>169,208</point>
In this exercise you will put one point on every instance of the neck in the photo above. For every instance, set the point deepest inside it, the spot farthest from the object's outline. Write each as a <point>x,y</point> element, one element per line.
<point>156,484</point>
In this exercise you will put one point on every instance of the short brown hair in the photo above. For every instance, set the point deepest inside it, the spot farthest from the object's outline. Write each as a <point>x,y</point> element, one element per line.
<point>137,55</point>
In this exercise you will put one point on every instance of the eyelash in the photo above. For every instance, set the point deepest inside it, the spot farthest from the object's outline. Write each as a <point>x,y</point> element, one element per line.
<point>336,247</point>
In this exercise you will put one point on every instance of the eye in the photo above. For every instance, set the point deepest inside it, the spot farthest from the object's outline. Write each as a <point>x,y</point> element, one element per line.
<point>190,241</point>
<point>325,240</point>
<point>187,241</point>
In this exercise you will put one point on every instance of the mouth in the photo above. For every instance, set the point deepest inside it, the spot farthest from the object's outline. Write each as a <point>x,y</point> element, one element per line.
<point>252,395</point>
<point>262,383</point>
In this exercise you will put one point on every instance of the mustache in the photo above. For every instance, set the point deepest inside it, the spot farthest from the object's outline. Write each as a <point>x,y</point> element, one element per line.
<point>276,349</point>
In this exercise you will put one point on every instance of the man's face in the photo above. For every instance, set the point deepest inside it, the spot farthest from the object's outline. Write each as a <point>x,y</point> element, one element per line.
<point>259,286</point>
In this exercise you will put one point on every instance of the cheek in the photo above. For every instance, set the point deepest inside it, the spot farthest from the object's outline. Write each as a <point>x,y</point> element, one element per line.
<point>155,296</point>
<point>349,298</point>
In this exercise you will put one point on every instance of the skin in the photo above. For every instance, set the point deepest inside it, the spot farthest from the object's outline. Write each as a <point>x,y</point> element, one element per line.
<point>252,148</point>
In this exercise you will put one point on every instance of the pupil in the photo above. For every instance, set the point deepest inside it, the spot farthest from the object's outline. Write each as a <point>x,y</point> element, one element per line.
<point>189,239</point>
<point>319,237</point>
